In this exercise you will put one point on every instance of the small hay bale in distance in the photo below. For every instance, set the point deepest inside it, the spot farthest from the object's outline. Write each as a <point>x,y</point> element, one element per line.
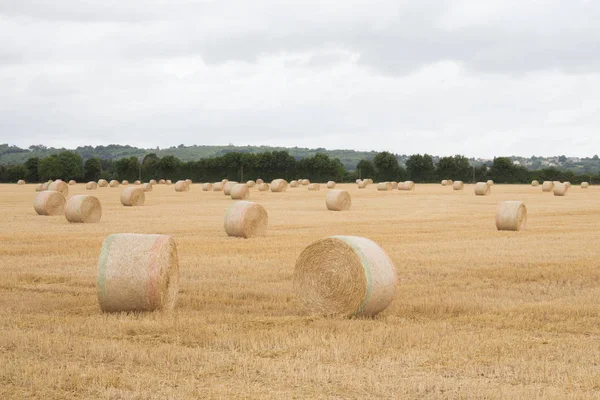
<point>217,187</point>
<point>567,184</point>
<point>161,181</point>
<point>259,181</point>
<point>394,185</point>
<point>482,189</point>
<point>20,182</point>
<point>363,184</point>
<point>228,186</point>
<point>246,219</point>
<point>305,182</point>
<point>560,189</point>
<point>189,181</point>
<point>250,184</point>
<point>240,191</point>
<point>384,186</point>
<point>490,182</point>
<point>133,197</point>
<point>263,187</point>
<point>314,186</point>
<point>458,185</point>
<point>91,185</point>
<point>445,182</point>
<point>279,185</point>
<point>294,184</point>
<point>72,182</point>
<point>138,273</point>
<point>369,181</point>
<point>207,187</point>
<point>83,209</point>
<point>535,183</point>
<point>182,186</point>
<point>49,202</point>
<point>585,185</point>
<point>45,186</point>
<point>345,276</point>
<point>59,186</point>
<point>102,183</point>
<point>450,182</point>
<point>39,187</point>
<point>169,182</point>
<point>407,185</point>
<point>547,186</point>
<point>147,187</point>
<point>152,181</point>
<point>338,200</point>
<point>137,183</point>
<point>331,185</point>
<point>114,183</point>
<point>511,216</point>
<point>124,182</point>
<point>358,181</point>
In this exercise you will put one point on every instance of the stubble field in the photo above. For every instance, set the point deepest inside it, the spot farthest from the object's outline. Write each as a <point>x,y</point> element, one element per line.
<point>478,313</point>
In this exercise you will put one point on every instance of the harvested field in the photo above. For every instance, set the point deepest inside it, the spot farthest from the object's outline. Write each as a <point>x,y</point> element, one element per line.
<point>479,313</point>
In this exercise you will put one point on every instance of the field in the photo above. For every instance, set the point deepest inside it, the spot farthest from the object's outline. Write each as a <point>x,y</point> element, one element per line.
<point>478,313</point>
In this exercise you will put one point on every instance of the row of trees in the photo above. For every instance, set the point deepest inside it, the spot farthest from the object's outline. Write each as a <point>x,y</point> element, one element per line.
<point>277,164</point>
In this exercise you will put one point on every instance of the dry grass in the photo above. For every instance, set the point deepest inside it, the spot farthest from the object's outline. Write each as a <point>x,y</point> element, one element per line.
<point>478,314</point>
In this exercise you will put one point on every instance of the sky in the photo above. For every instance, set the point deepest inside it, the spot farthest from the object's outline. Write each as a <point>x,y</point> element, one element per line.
<point>478,78</point>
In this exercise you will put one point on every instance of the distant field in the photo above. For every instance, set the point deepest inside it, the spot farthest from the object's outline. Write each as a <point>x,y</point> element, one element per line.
<point>478,313</point>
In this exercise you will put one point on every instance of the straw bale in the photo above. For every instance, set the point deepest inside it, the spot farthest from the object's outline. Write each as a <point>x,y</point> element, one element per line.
<point>246,219</point>
<point>568,184</point>
<point>20,182</point>
<point>279,185</point>
<point>83,208</point>
<point>161,181</point>
<point>137,183</point>
<point>585,185</point>
<point>147,187</point>
<point>482,189</point>
<point>240,191</point>
<point>45,186</point>
<point>445,182</point>
<point>384,186</point>
<point>152,181</point>
<point>102,183</point>
<point>169,182</point>
<point>182,186</point>
<point>547,186</point>
<point>125,182</point>
<point>59,186</point>
<point>511,216</point>
<point>394,185</point>
<point>91,185</point>
<point>490,182</point>
<point>133,197</point>
<point>207,187</point>
<point>263,187</point>
<point>294,183</point>
<point>458,185</point>
<point>535,183</point>
<point>338,200</point>
<point>189,181</point>
<point>217,187</point>
<point>561,189</point>
<point>314,187</point>
<point>49,202</point>
<point>331,185</point>
<point>305,182</point>
<point>39,187</point>
<point>251,184</point>
<point>363,184</point>
<point>259,181</point>
<point>114,183</point>
<point>407,185</point>
<point>228,186</point>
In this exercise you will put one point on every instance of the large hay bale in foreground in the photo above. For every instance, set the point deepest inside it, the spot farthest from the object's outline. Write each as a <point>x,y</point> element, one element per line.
<point>263,187</point>
<point>217,187</point>
<point>511,216</point>
<point>133,197</point>
<point>346,276</point>
<point>458,185</point>
<point>535,183</point>
<point>20,182</point>
<point>207,187</point>
<point>363,184</point>
<point>124,182</point>
<point>147,187</point>
<point>49,202</point>
<point>246,219</point>
<point>547,186</point>
<point>482,189</point>
<point>59,186</point>
<point>314,187</point>
<point>305,182</point>
<point>240,192</point>
<point>384,186</point>
<point>259,181</point>
<point>83,208</point>
<point>560,189</point>
<point>228,186</point>
<point>91,185</point>
<point>279,185</point>
<point>113,183</point>
<point>338,200</point>
<point>138,273</point>
<point>250,184</point>
<point>102,183</point>
<point>407,185</point>
<point>331,185</point>
<point>39,187</point>
<point>585,185</point>
<point>294,184</point>
<point>182,186</point>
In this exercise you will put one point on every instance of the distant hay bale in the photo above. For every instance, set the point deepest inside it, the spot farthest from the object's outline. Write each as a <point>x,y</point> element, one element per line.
<point>162,182</point>
<point>189,181</point>
<point>138,273</point>
<point>207,187</point>
<point>169,182</point>
<point>20,182</point>
<point>358,181</point>
<point>490,182</point>
<point>363,184</point>
<point>83,208</point>
<point>240,191</point>
<point>585,185</point>
<point>384,186</point>
<point>147,187</point>
<point>331,185</point>
<point>408,185</point>
<point>560,189</point>
<point>137,183</point>
<point>259,181</point>
<point>49,202</point>
<point>547,186</point>
<point>217,187</point>
<point>133,197</point>
<point>250,184</point>
<point>458,185</point>
<point>445,182</point>
<point>39,187</point>
<point>482,189</point>
<point>125,182</point>
<point>102,183</point>
<point>224,181</point>
<point>369,181</point>
<point>450,182</point>
<point>305,182</point>
<point>91,185</point>
<point>345,276</point>
<point>45,185</point>
<point>59,186</point>
<point>535,183</point>
<point>114,183</point>
<point>246,219</point>
<point>182,186</point>
<point>556,182</point>
<point>279,185</point>
<point>338,200</point>
<point>394,185</point>
<point>511,216</point>
<point>152,181</point>
<point>568,184</point>
<point>314,187</point>
<point>294,183</point>
<point>228,186</point>
<point>263,187</point>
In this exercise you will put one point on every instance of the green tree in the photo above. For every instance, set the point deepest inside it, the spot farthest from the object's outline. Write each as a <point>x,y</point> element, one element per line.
<point>388,168</point>
<point>456,168</point>
<point>420,168</point>
<point>32,169</point>
<point>49,168</point>
<point>16,172</point>
<point>92,169</point>
<point>127,168</point>
<point>321,168</point>
<point>150,167</point>
<point>169,166</point>
<point>71,165</point>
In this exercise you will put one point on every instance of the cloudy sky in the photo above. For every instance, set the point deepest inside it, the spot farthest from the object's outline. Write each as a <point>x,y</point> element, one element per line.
<point>480,78</point>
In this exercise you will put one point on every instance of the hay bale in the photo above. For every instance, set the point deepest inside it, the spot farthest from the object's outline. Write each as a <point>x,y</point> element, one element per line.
<point>83,208</point>
<point>585,185</point>
<point>240,191</point>
<point>39,187</point>
<point>363,184</point>
<point>358,181</point>
<point>445,182</point>
<point>228,186</point>
<point>547,186</point>
<point>20,182</point>
<point>263,187</point>
<point>450,182</point>
<point>207,187</point>
<point>91,185</point>
<point>169,182</point>
<point>246,219</point>
<point>114,183</point>
<point>146,187</point>
<point>394,185</point>
<point>189,181</point>
<point>561,189</point>
<point>305,182</point>
<point>152,181</point>
<point>133,197</point>
<point>458,185</point>
<point>250,184</point>
<point>224,181</point>
<point>102,183</point>
<point>407,185</point>
<point>45,186</point>
<point>331,185</point>
<point>124,182</point>
<point>59,186</point>
<point>345,276</point>
<point>161,181</point>
<point>279,185</point>
<point>338,200</point>
<point>259,181</point>
<point>217,187</point>
<point>384,186</point>
<point>182,186</point>
<point>138,273</point>
<point>568,184</point>
<point>490,182</point>
<point>482,189</point>
<point>137,183</point>
<point>535,183</point>
<point>511,216</point>
<point>294,184</point>
<point>49,202</point>
<point>314,187</point>
<point>369,181</point>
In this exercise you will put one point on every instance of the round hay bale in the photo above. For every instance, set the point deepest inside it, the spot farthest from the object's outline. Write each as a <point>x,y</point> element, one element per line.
<point>331,185</point>
<point>147,187</point>
<point>305,182</point>
<point>346,276</point>
<point>207,187</point>
<point>113,183</point>
<point>189,181</point>
<point>250,184</point>
<point>561,189</point>
<point>45,186</point>
<point>49,202</point>
<point>83,208</point>
<point>363,184</point>
<point>394,185</point>
<point>259,181</point>
<point>263,187</point>
<point>547,186</point>
<point>169,182</point>
<point>369,181</point>
<point>182,186</point>
<point>59,186</point>
<point>102,183</point>
<point>279,185</point>
<point>138,273</point>
<point>228,186</point>
<point>314,187</point>
<point>535,183</point>
<point>408,185</point>
<point>384,186</point>
<point>585,185</point>
<point>152,181</point>
<point>482,189</point>
<point>224,181</point>
<point>246,219</point>
<point>294,183</point>
<point>240,191</point>
<point>91,185</point>
<point>511,216</point>
<point>458,185</point>
<point>358,181</point>
<point>450,182</point>
<point>568,184</point>
<point>39,187</point>
<point>133,197</point>
<point>556,182</point>
<point>162,182</point>
<point>445,182</point>
<point>338,200</point>
<point>490,182</point>
<point>20,182</point>
<point>125,182</point>
<point>217,187</point>
<point>137,183</point>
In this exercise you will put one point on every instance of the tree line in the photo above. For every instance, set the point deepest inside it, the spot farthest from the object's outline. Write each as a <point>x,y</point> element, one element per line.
<point>269,165</point>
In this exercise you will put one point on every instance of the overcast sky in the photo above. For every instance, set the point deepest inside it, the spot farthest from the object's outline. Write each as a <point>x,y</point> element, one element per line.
<point>480,78</point>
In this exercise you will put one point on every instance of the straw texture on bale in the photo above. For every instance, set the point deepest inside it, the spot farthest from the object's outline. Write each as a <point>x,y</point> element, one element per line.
<point>458,185</point>
<point>152,181</point>
<point>162,182</point>
<point>59,186</point>
<point>482,189</point>
<point>132,197</point>
<point>445,182</point>
<point>217,187</point>
<point>394,185</point>
<point>294,184</point>
<point>263,187</point>
<point>511,216</point>
<point>362,184</point>
<point>83,208</point>
<point>490,182</point>
<point>228,186</point>
<point>137,183</point>
<point>305,182</point>
<point>102,183</point>
<point>169,182</point>
<point>547,186</point>
<point>251,184</point>
<point>331,185</point>
<point>182,186</point>
<point>338,200</point>
<point>345,276</point>
<point>113,183</point>
<point>246,219</point>
<point>408,185</point>
<point>314,186</point>
<point>146,187</point>
<point>91,185</point>
<point>240,192</point>
<point>49,202</point>
<point>138,273</point>
<point>279,185</point>
<point>383,186</point>
<point>585,185</point>
<point>20,182</point>
<point>207,187</point>
<point>535,183</point>
<point>259,181</point>
<point>39,187</point>
<point>560,189</point>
